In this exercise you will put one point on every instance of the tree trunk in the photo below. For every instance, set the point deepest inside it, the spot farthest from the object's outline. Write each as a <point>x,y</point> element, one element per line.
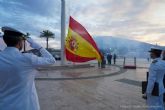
<point>24,45</point>
<point>47,42</point>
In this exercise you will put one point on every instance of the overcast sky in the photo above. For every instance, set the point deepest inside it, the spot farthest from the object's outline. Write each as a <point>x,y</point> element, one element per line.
<point>142,20</point>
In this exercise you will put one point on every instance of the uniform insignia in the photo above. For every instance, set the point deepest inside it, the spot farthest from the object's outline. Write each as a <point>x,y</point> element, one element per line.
<point>24,52</point>
<point>154,61</point>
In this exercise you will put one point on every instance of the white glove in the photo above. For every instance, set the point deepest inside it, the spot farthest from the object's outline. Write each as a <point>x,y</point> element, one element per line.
<point>1,35</point>
<point>33,44</point>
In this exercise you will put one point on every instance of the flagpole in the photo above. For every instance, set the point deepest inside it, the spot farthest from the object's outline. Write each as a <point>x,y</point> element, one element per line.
<point>62,32</point>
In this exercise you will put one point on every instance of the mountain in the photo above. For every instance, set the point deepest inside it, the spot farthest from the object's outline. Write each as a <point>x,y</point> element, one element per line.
<point>123,47</point>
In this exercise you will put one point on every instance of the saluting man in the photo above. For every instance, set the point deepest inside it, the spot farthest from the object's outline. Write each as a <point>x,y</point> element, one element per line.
<point>156,74</point>
<point>17,72</point>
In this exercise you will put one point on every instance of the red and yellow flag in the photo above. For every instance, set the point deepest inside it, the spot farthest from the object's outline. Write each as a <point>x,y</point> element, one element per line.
<point>79,45</point>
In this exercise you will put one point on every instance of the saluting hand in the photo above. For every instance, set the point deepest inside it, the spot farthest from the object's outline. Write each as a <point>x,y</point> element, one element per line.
<point>33,44</point>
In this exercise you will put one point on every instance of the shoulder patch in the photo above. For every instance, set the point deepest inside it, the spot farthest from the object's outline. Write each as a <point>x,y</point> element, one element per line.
<point>154,61</point>
<point>24,52</point>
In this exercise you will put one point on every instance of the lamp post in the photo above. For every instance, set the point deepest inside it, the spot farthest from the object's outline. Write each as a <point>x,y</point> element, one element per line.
<point>62,32</point>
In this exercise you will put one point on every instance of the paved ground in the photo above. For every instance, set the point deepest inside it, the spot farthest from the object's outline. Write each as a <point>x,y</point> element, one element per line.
<point>111,88</point>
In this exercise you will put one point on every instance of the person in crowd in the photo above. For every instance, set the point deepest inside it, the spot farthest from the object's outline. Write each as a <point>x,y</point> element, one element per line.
<point>109,58</point>
<point>114,58</point>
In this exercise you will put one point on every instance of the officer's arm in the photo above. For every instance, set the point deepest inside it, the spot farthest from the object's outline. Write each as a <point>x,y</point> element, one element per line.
<point>45,59</point>
<point>151,78</point>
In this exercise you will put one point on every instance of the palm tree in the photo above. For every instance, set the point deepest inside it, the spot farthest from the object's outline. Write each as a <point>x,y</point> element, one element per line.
<point>47,34</point>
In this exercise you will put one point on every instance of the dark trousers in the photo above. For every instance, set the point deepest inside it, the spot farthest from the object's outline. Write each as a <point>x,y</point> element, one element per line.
<point>164,86</point>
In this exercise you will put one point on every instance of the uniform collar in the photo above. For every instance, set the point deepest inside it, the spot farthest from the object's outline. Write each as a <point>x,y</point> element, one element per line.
<point>11,49</point>
<point>157,58</point>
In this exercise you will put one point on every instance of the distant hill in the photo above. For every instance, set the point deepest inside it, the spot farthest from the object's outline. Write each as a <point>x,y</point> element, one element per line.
<point>123,47</point>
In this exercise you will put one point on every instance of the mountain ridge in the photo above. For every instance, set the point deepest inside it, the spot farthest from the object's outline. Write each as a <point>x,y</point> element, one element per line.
<point>124,47</point>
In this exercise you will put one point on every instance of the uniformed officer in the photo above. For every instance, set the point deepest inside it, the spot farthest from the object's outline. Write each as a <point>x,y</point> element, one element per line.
<point>17,72</point>
<point>163,55</point>
<point>156,74</point>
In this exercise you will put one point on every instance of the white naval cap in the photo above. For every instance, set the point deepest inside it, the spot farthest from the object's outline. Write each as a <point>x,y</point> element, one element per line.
<point>11,32</point>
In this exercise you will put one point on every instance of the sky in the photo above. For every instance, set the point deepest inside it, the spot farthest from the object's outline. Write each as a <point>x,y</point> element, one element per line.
<point>142,20</point>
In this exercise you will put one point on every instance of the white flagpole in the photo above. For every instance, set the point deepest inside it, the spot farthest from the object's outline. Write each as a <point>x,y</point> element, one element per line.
<point>62,32</point>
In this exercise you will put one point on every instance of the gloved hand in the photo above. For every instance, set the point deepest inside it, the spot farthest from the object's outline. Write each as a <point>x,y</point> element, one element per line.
<point>1,35</point>
<point>33,44</point>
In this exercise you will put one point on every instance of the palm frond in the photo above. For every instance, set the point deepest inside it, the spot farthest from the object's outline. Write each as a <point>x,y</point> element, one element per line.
<point>47,34</point>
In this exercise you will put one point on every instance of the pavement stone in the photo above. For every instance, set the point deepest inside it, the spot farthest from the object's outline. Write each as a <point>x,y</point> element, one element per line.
<point>96,93</point>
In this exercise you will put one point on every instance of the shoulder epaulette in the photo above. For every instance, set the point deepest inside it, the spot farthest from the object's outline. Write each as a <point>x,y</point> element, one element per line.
<point>154,61</point>
<point>24,52</point>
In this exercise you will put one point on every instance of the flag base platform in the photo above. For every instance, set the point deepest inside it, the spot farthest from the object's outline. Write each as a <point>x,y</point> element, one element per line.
<point>129,67</point>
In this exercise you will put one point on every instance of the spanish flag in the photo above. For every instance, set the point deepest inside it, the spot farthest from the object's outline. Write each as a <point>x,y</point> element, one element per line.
<point>79,45</point>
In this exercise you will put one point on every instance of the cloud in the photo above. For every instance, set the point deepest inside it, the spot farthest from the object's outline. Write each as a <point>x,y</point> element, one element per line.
<point>154,14</point>
<point>140,20</point>
<point>30,16</point>
<point>53,43</point>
